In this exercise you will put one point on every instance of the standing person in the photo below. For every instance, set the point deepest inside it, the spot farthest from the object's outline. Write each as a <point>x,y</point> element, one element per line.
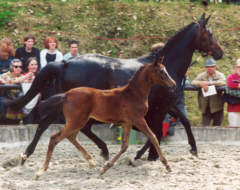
<point>47,55</point>
<point>50,53</point>
<point>7,54</point>
<point>30,109</point>
<point>233,83</point>
<point>14,76</point>
<point>27,51</point>
<point>210,106</point>
<point>73,50</point>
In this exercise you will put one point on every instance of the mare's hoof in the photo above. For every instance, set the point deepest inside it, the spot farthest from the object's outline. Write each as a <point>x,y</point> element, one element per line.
<point>24,158</point>
<point>194,152</point>
<point>152,158</point>
<point>105,155</point>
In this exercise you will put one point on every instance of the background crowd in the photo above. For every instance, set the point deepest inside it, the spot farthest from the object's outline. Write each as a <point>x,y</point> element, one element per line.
<point>22,66</point>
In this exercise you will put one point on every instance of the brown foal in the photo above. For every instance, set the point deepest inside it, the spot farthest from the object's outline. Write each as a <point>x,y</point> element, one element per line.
<point>81,104</point>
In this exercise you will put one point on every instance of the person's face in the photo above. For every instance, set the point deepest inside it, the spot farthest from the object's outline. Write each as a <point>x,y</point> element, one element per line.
<point>52,45</point>
<point>238,69</point>
<point>33,66</point>
<point>211,70</point>
<point>29,43</point>
<point>17,68</point>
<point>74,49</point>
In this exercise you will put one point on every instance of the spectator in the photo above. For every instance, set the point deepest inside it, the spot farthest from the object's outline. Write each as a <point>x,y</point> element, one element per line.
<point>23,53</point>
<point>233,83</point>
<point>30,109</point>
<point>13,76</point>
<point>50,53</point>
<point>73,51</point>
<point>210,106</point>
<point>7,54</point>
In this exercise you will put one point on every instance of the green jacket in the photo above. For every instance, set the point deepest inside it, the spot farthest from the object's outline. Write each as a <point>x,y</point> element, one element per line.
<point>215,102</point>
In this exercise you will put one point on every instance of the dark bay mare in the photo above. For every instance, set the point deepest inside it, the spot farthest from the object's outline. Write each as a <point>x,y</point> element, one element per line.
<point>105,73</point>
<point>82,103</point>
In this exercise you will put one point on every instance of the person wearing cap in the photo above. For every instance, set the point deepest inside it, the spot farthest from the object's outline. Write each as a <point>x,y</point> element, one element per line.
<point>211,107</point>
<point>233,83</point>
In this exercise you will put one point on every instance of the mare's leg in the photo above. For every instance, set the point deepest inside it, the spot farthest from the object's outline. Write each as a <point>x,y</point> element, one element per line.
<point>142,126</point>
<point>142,150</point>
<point>125,142</point>
<point>175,112</point>
<point>85,153</point>
<point>101,145</point>
<point>43,125</point>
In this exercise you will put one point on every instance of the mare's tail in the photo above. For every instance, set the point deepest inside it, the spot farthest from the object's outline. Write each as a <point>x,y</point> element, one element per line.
<point>52,104</point>
<point>47,74</point>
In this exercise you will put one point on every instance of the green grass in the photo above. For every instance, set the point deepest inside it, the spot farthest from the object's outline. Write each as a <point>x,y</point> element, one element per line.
<point>85,20</point>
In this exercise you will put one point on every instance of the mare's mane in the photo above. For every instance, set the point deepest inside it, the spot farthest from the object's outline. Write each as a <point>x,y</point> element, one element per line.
<point>172,41</point>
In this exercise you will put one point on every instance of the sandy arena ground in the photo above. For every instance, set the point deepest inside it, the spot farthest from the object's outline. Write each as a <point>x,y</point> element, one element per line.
<point>216,168</point>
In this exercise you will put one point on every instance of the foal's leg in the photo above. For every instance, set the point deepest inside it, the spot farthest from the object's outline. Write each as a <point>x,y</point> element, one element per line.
<point>125,142</point>
<point>67,131</point>
<point>142,126</point>
<point>85,153</point>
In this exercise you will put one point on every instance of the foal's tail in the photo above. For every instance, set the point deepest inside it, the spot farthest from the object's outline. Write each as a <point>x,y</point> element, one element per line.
<point>52,104</point>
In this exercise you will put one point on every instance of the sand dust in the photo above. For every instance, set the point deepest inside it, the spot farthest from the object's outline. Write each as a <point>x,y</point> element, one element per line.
<point>216,168</point>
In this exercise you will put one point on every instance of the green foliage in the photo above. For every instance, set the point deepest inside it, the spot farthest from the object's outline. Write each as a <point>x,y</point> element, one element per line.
<point>6,12</point>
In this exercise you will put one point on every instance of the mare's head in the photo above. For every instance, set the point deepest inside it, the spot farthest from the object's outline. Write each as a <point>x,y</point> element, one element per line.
<point>159,74</point>
<point>205,42</point>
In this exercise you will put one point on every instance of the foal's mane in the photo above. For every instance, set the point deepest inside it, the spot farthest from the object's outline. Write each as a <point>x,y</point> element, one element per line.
<point>136,75</point>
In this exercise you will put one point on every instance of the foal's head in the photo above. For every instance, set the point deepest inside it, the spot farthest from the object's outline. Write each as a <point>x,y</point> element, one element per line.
<point>205,42</point>
<point>159,74</point>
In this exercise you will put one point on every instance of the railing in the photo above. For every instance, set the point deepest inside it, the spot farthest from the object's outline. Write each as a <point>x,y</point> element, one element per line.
<point>193,88</point>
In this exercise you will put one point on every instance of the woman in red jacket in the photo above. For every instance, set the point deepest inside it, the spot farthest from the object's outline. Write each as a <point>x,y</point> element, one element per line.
<point>233,82</point>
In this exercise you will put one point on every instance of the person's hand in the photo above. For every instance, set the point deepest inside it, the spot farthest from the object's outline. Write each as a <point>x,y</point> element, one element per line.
<point>204,85</point>
<point>2,81</point>
<point>239,85</point>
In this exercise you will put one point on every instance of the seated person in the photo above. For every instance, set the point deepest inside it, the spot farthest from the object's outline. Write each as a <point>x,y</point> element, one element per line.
<point>14,76</point>
<point>30,110</point>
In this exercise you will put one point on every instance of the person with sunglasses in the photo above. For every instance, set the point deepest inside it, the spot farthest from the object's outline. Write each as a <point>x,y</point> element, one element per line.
<point>14,76</point>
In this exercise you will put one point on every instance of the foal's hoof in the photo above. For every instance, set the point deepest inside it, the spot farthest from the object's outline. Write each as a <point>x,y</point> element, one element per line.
<point>91,163</point>
<point>105,168</point>
<point>24,158</point>
<point>168,168</point>
<point>39,174</point>
<point>194,152</point>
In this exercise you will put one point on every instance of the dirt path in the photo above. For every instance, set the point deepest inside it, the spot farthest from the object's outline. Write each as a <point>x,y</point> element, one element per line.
<point>216,168</point>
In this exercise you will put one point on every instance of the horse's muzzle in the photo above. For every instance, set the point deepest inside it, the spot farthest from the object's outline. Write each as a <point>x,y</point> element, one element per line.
<point>217,54</point>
